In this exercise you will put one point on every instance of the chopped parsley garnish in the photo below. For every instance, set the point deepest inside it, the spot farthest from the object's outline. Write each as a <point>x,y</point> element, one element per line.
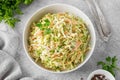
<point>47,22</point>
<point>47,31</point>
<point>44,26</point>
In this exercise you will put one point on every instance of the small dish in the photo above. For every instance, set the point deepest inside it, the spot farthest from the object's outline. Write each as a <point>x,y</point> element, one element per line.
<point>103,72</point>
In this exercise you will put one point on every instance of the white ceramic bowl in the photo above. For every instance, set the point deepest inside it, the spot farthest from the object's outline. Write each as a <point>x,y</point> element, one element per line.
<point>55,8</point>
<point>100,71</point>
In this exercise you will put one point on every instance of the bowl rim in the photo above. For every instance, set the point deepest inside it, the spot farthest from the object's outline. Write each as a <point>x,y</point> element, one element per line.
<point>67,71</point>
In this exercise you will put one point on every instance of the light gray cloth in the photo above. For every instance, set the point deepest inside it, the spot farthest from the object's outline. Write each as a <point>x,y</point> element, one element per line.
<point>111,10</point>
<point>9,68</point>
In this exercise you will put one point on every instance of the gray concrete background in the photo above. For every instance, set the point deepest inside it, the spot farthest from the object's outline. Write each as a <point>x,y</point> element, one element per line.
<point>111,9</point>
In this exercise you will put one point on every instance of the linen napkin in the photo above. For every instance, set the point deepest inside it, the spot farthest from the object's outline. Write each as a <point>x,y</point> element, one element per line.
<point>9,67</point>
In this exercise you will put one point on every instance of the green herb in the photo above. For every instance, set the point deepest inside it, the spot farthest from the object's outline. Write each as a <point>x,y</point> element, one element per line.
<point>9,8</point>
<point>110,64</point>
<point>47,31</point>
<point>28,1</point>
<point>44,26</point>
<point>47,22</point>
<point>40,26</point>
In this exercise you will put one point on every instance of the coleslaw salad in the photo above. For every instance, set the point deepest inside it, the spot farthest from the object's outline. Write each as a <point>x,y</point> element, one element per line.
<point>59,42</point>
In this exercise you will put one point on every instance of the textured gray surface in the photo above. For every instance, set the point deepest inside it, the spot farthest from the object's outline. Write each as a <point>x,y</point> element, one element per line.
<point>111,9</point>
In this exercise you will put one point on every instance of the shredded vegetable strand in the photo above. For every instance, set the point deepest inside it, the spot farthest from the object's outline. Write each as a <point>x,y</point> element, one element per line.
<point>59,41</point>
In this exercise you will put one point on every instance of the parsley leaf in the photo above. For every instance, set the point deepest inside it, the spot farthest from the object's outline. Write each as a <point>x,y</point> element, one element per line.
<point>47,22</point>
<point>12,21</point>
<point>9,8</point>
<point>44,27</point>
<point>108,59</point>
<point>40,26</point>
<point>110,64</point>
<point>47,31</point>
<point>28,1</point>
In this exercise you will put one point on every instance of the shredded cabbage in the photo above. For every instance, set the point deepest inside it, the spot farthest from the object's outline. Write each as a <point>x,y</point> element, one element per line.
<point>59,42</point>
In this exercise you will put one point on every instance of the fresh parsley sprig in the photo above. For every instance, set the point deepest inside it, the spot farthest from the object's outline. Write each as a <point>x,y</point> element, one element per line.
<point>9,8</point>
<point>110,64</point>
<point>44,27</point>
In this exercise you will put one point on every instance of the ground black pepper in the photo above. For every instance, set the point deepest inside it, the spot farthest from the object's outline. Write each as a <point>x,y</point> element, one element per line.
<point>99,77</point>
